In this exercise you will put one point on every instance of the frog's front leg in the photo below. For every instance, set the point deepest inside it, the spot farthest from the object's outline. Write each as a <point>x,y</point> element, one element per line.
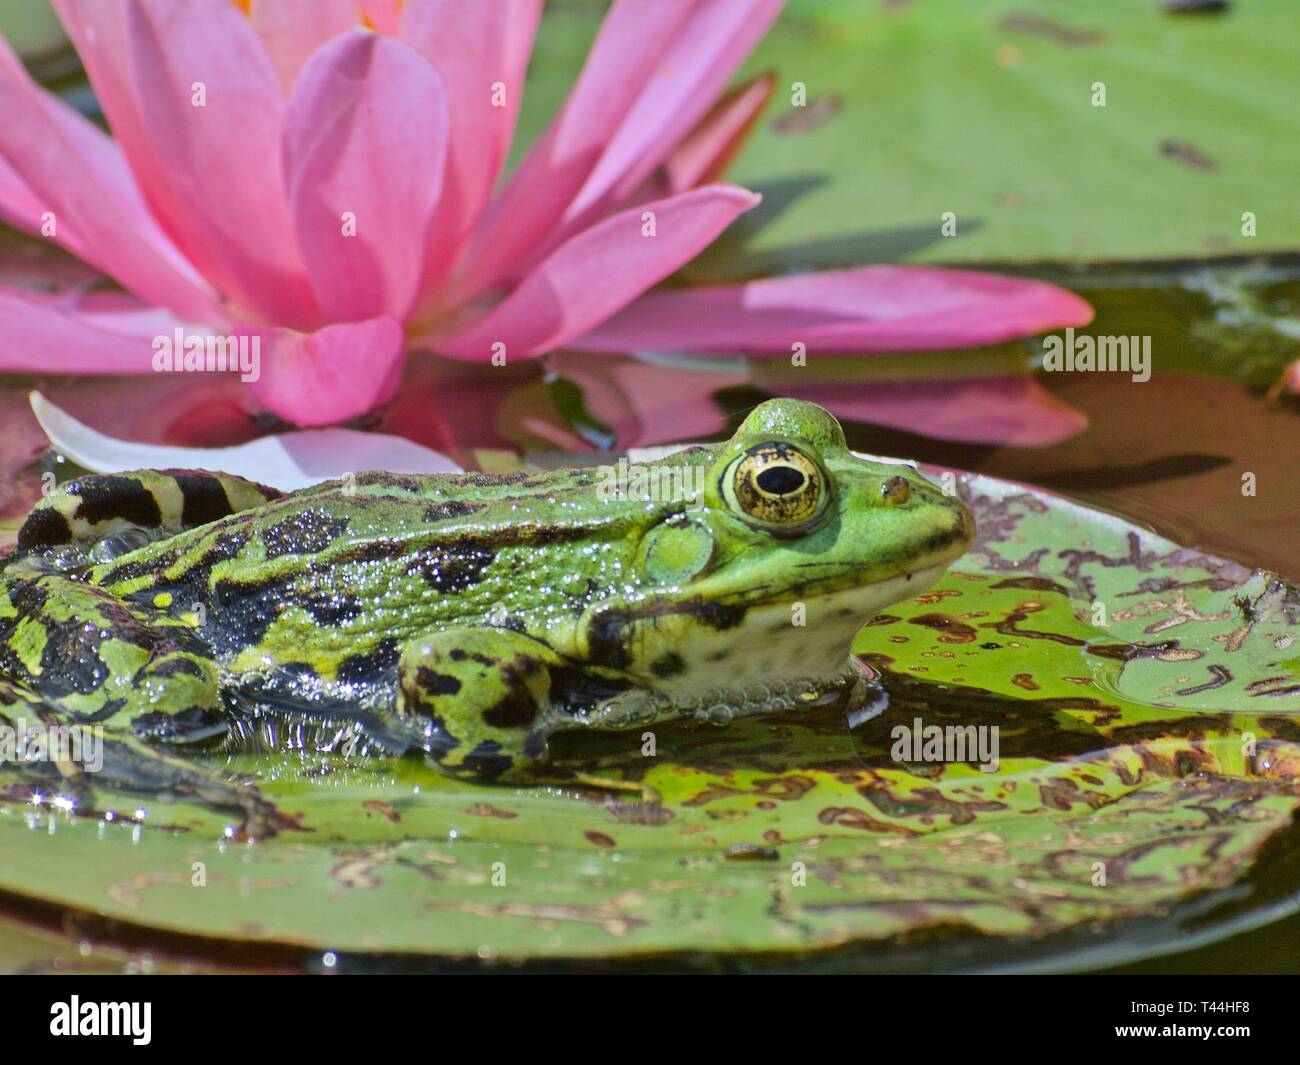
<point>478,697</point>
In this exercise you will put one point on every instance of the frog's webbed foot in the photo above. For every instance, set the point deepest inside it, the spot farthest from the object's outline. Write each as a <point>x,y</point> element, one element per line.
<point>76,759</point>
<point>131,764</point>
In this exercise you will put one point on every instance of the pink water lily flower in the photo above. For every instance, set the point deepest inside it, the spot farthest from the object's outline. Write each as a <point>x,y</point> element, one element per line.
<point>323,176</point>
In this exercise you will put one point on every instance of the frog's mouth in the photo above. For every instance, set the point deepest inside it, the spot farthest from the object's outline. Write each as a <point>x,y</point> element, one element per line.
<point>805,632</point>
<point>837,595</point>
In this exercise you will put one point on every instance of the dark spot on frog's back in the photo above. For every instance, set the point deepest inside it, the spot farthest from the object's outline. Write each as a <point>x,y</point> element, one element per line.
<point>44,527</point>
<point>28,597</point>
<point>1033,584</point>
<point>491,480</point>
<point>191,587</point>
<point>403,482</point>
<point>70,662</point>
<point>104,496</point>
<point>241,612</point>
<point>451,508</point>
<point>306,532</point>
<point>177,666</point>
<point>378,663</point>
<point>449,571</point>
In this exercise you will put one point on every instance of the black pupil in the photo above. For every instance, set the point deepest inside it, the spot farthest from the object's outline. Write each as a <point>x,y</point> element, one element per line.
<point>780,480</point>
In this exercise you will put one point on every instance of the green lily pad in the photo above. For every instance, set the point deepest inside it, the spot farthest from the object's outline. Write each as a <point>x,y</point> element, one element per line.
<point>1146,701</point>
<point>984,108</point>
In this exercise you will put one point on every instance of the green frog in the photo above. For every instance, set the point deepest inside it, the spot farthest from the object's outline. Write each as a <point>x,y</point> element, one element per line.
<point>469,617</point>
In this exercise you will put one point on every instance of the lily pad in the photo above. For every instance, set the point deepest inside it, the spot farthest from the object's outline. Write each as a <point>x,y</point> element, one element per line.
<point>1146,702</point>
<point>985,108</point>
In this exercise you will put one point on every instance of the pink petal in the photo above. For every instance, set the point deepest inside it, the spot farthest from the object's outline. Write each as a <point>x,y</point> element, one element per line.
<point>222,159</point>
<point>456,406</point>
<point>1015,411</point>
<point>22,209</point>
<point>191,410</point>
<point>627,52</point>
<point>867,309</point>
<point>711,44</point>
<point>29,263</point>
<point>290,35</point>
<point>98,29</point>
<point>475,48</point>
<point>598,271</point>
<point>385,16</point>
<point>646,404</point>
<point>709,148</point>
<point>365,138</point>
<point>57,161</point>
<point>331,375</point>
<point>44,334</point>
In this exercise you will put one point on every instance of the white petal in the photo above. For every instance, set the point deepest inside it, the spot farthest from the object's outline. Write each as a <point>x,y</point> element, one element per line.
<point>288,461</point>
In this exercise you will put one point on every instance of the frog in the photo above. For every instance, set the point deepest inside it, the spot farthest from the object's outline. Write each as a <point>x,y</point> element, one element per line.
<point>466,618</point>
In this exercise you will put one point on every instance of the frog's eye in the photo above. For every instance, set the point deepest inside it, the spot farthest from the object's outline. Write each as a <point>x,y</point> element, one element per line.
<point>776,485</point>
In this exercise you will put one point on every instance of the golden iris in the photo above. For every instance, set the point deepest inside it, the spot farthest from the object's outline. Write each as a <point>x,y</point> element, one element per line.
<point>777,484</point>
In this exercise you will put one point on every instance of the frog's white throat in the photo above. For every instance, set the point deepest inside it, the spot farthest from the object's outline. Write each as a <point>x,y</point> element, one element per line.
<point>778,642</point>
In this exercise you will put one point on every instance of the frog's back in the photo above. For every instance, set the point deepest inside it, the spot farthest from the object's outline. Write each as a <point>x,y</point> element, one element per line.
<point>330,582</point>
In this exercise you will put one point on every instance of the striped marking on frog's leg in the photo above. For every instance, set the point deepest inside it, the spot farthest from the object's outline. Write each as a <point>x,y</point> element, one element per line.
<point>477,697</point>
<point>89,509</point>
<point>99,661</point>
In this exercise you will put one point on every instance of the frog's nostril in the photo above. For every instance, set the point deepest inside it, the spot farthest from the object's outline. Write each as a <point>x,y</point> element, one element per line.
<point>896,490</point>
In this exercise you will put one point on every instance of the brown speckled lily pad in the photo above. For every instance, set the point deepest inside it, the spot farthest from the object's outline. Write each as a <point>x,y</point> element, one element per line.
<point>1147,705</point>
